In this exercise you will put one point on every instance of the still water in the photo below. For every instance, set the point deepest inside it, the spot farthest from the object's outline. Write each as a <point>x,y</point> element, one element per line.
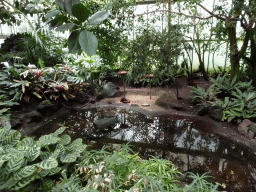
<point>179,140</point>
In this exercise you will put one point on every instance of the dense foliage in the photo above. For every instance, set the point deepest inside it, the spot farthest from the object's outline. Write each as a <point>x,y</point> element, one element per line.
<point>237,99</point>
<point>24,48</point>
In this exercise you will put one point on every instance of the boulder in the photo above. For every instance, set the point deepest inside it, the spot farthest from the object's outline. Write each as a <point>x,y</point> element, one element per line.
<point>105,123</point>
<point>244,126</point>
<point>33,116</point>
<point>15,123</point>
<point>216,113</point>
<point>204,108</point>
<point>46,106</point>
<point>248,128</point>
<point>177,106</point>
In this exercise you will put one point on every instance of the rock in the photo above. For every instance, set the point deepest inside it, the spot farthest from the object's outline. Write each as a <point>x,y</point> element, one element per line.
<point>105,123</point>
<point>15,123</point>
<point>33,116</point>
<point>177,106</point>
<point>203,110</point>
<point>134,105</point>
<point>250,134</point>
<point>46,106</point>
<point>243,126</point>
<point>248,128</point>
<point>216,113</point>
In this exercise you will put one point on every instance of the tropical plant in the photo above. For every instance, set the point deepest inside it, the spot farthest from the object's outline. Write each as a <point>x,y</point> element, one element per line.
<point>25,161</point>
<point>224,84</point>
<point>201,96</point>
<point>25,48</point>
<point>152,51</point>
<point>71,15</point>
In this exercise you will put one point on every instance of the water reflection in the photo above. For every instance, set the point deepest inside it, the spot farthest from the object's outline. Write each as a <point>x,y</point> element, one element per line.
<point>178,140</point>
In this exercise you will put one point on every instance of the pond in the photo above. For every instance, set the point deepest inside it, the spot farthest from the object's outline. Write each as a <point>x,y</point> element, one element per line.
<point>179,140</point>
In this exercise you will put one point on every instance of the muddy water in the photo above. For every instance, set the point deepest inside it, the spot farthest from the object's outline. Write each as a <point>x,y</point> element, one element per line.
<point>179,140</point>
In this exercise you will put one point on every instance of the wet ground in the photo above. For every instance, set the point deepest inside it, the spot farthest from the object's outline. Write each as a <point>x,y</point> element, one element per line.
<point>187,141</point>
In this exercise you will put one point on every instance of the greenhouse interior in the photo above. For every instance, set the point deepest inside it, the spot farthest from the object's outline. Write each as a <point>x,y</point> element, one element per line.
<point>128,95</point>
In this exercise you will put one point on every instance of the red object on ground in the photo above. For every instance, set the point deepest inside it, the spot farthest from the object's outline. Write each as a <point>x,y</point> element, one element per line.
<point>124,100</point>
<point>122,72</point>
<point>149,75</point>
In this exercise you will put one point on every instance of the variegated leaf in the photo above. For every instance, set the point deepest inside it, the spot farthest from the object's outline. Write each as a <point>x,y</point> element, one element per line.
<point>48,163</point>
<point>3,133</point>
<point>54,171</point>
<point>28,141</point>
<point>61,148</point>
<point>59,131</point>
<point>48,139</point>
<point>34,152</point>
<point>65,139</point>
<point>43,172</point>
<point>25,172</point>
<point>69,158</point>
<point>23,183</point>
<point>15,162</point>
<point>45,155</point>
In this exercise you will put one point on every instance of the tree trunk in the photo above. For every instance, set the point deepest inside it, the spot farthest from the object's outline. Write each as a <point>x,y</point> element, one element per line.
<point>234,61</point>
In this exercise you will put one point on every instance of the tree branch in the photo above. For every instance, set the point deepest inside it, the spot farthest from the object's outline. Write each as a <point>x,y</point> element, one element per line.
<point>219,16</point>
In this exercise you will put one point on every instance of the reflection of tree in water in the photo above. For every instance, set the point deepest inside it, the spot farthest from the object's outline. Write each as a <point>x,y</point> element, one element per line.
<point>176,140</point>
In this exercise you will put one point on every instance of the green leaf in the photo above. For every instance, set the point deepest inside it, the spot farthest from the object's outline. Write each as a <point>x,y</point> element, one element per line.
<point>73,42</point>
<point>88,42</point>
<point>23,183</point>
<point>43,173</point>
<point>44,155</point>
<point>28,141</point>
<point>47,184</point>
<point>3,133</point>
<point>98,17</point>
<point>69,4</point>
<point>24,150</point>
<point>65,139</point>
<point>10,137</point>
<point>54,171</point>
<point>48,139</point>
<point>65,27</point>
<point>25,172</point>
<point>80,12</point>
<point>4,158</point>
<point>55,154</point>
<point>37,95</point>
<point>34,152</point>
<point>52,14</point>
<point>48,163</point>
<point>15,162</point>
<point>57,21</point>
<point>61,4</point>
<point>59,131</point>
<point>9,183</point>
<point>61,148</point>
<point>69,158</point>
